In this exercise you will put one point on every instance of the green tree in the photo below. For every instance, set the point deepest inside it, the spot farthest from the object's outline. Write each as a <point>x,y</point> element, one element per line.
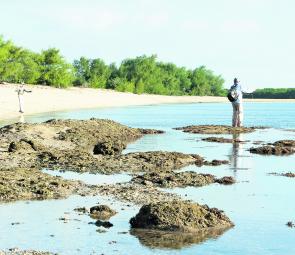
<point>55,71</point>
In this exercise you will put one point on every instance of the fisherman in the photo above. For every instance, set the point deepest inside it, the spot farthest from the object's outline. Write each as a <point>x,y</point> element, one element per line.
<point>235,96</point>
<point>20,93</point>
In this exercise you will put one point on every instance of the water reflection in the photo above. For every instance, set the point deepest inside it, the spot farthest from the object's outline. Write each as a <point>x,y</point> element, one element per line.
<point>174,240</point>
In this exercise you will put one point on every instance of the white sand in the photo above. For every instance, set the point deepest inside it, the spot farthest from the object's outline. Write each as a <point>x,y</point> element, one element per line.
<point>48,99</point>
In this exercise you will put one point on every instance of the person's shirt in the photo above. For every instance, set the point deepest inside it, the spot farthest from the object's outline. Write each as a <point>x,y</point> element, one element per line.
<point>238,88</point>
<point>21,91</point>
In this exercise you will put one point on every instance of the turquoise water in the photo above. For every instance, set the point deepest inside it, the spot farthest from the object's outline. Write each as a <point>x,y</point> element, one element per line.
<point>259,204</point>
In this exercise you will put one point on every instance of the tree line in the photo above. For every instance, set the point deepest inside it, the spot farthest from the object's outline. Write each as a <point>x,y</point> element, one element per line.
<point>143,74</point>
<point>273,93</point>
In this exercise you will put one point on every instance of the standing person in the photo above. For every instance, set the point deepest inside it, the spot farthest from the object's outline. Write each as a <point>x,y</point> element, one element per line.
<point>20,93</point>
<point>235,95</point>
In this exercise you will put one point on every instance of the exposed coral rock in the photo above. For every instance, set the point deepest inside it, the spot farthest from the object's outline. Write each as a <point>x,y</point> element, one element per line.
<point>220,140</point>
<point>289,174</point>
<point>273,150</point>
<point>215,129</point>
<point>283,143</point>
<point>102,212</point>
<point>179,216</point>
<point>19,184</point>
<point>182,179</point>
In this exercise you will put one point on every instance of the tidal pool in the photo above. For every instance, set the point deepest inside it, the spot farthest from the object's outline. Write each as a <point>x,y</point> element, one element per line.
<point>259,204</point>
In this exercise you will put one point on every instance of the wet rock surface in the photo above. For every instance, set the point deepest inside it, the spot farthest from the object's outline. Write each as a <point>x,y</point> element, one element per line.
<point>16,251</point>
<point>182,179</point>
<point>20,184</point>
<point>281,147</point>
<point>216,162</point>
<point>135,193</point>
<point>102,212</point>
<point>93,145</point>
<point>285,143</point>
<point>273,150</point>
<point>288,174</point>
<point>215,129</point>
<point>221,140</point>
<point>181,216</point>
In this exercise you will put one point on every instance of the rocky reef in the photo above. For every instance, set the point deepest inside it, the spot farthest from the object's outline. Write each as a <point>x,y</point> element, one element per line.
<point>25,184</point>
<point>84,146</point>
<point>214,139</point>
<point>215,129</point>
<point>182,179</point>
<point>281,147</point>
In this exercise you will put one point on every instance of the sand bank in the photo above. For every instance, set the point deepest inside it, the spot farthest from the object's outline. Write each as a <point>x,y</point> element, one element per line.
<point>48,99</point>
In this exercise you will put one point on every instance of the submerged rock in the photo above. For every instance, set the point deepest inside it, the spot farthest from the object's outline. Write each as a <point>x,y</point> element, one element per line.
<point>179,216</point>
<point>289,174</point>
<point>82,210</point>
<point>146,131</point>
<point>102,212</point>
<point>220,140</point>
<point>273,150</point>
<point>216,162</point>
<point>215,129</point>
<point>182,179</point>
<point>16,251</point>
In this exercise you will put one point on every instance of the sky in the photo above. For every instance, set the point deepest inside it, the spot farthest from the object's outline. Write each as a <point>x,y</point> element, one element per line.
<point>253,40</point>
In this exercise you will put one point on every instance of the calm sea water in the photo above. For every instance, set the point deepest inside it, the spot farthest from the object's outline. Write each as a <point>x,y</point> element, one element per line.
<point>259,204</point>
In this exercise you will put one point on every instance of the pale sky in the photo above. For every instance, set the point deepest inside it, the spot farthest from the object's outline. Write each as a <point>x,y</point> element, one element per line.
<point>251,39</point>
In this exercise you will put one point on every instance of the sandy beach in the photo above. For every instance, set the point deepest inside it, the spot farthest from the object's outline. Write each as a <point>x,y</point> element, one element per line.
<point>49,99</point>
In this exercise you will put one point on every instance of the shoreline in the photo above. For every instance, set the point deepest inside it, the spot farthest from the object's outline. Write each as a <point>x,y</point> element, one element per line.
<point>49,99</point>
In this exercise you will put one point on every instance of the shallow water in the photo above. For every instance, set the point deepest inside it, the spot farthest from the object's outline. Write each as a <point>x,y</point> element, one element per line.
<point>259,204</point>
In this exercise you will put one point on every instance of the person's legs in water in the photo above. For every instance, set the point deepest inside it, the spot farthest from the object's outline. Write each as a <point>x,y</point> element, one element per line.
<point>240,116</point>
<point>235,115</point>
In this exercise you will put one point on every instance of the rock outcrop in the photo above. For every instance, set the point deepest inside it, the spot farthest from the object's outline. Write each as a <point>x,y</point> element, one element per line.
<point>182,179</point>
<point>215,129</point>
<point>179,216</point>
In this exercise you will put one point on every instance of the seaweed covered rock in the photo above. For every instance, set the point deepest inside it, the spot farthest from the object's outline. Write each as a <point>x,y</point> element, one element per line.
<point>102,212</point>
<point>93,145</point>
<point>21,145</point>
<point>146,131</point>
<point>182,179</point>
<point>160,160</point>
<point>20,184</point>
<point>109,147</point>
<point>179,216</point>
<point>16,251</point>
<point>287,143</point>
<point>288,174</point>
<point>215,129</point>
<point>273,150</point>
<point>220,140</point>
<point>216,162</point>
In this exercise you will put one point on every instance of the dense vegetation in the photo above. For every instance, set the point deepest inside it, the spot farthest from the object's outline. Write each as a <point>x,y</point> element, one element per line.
<point>284,93</point>
<point>142,74</point>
